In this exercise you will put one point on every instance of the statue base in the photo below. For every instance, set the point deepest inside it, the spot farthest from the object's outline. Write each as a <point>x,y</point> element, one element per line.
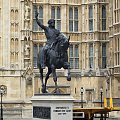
<point>52,107</point>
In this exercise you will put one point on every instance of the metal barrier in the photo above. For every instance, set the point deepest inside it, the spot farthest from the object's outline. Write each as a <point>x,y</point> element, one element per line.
<point>78,115</point>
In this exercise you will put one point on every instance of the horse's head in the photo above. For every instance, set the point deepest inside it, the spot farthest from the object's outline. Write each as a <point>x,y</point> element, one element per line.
<point>63,42</point>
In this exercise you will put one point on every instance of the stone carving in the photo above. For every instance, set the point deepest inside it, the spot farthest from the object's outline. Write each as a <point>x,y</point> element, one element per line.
<point>27,14</point>
<point>27,10</point>
<point>27,49</point>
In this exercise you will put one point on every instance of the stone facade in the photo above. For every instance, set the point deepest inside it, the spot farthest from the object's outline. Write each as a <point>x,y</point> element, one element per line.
<point>17,40</point>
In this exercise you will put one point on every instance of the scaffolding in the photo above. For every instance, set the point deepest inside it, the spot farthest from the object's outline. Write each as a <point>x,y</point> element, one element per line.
<point>89,113</point>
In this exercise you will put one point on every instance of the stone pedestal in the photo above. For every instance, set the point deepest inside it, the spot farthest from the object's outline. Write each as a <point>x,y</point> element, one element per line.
<point>52,107</point>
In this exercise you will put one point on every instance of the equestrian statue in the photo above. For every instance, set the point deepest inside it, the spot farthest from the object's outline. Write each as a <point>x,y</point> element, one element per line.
<point>54,54</point>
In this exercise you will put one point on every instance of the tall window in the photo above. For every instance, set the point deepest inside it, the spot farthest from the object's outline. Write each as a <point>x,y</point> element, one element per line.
<point>74,56</point>
<point>115,4</point>
<point>90,18</point>
<point>40,17</point>
<point>91,55</point>
<point>73,19</point>
<point>117,51</point>
<point>36,49</point>
<point>103,55</point>
<point>103,17</point>
<point>56,14</point>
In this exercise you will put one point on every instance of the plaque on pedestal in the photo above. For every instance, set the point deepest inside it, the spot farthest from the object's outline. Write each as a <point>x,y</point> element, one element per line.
<point>52,107</point>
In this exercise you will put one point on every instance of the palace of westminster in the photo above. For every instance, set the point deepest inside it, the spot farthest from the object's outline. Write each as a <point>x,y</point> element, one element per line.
<point>94,52</point>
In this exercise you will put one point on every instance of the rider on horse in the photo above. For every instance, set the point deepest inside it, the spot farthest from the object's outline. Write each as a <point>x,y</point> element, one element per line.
<point>51,34</point>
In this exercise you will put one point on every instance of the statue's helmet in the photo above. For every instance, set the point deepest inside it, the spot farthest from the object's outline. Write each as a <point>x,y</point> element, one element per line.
<point>51,21</point>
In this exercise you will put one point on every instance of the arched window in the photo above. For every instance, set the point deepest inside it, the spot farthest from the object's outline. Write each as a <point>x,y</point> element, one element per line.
<point>103,17</point>
<point>56,14</point>
<point>70,19</point>
<point>73,19</point>
<point>74,56</point>
<point>103,55</point>
<point>40,17</point>
<point>90,18</point>
<point>91,55</point>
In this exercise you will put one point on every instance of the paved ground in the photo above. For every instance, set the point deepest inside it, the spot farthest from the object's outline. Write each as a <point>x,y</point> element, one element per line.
<point>108,118</point>
<point>32,119</point>
<point>18,119</point>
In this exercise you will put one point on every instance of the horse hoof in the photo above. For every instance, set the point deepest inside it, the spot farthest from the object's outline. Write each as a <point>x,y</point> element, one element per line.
<point>44,90</point>
<point>69,78</point>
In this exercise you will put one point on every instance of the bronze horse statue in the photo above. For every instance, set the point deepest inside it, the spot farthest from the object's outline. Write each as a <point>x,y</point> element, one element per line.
<point>56,58</point>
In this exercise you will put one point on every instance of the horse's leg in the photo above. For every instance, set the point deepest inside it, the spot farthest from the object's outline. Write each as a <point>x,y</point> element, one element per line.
<point>67,66</point>
<point>41,78</point>
<point>54,78</point>
<point>41,75</point>
<point>40,70</point>
<point>47,77</point>
<point>54,73</point>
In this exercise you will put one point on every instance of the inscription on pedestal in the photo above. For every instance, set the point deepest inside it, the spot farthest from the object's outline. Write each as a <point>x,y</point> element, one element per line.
<point>62,110</point>
<point>41,112</point>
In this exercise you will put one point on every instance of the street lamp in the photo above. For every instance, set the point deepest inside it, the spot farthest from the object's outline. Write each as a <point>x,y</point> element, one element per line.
<point>81,90</point>
<point>2,92</point>
<point>101,94</point>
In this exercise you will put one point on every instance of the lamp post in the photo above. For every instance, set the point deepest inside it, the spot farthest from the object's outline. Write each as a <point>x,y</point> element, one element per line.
<point>81,90</point>
<point>3,90</point>
<point>101,94</point>
<point>1,93</point>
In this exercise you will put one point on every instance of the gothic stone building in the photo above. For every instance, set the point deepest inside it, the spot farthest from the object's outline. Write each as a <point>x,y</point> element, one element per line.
<point>94,52</point>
